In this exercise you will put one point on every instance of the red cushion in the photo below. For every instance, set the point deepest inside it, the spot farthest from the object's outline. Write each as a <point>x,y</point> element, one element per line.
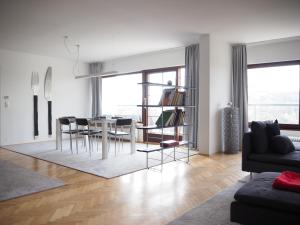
<point>288,180</point>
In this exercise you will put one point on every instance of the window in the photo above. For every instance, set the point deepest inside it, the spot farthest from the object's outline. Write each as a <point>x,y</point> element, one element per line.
<point>273,93</point>
<point>121,94</point>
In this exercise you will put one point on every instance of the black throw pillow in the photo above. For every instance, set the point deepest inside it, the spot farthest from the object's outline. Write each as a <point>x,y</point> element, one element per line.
<point>272,130</point>
<point>282,144</point>
<point>260,140</point>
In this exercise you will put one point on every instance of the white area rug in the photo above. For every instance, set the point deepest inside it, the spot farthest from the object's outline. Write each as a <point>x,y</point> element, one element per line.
<point>114,166</point>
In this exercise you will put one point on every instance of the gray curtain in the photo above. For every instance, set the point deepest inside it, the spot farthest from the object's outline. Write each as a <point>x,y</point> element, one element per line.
<point>96,86</point>
<point>240,85</point>
<point>192,97</point>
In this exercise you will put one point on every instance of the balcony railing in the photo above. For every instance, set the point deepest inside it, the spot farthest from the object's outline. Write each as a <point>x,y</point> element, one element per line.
<point>285,113</point>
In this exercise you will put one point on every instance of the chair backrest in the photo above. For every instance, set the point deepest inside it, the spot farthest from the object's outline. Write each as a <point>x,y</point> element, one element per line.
<point>99,117</point>
<point>82,122</point>
<point>64,121</point>
<point>123,122</point>
<point>116,117</point>
<point>72,119</point>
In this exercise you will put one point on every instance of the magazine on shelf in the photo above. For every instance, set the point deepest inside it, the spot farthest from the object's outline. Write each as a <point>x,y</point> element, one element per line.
<point>169,143</point>
<point>167,96</point>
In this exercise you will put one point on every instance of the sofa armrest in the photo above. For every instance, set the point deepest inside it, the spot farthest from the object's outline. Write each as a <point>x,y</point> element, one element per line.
<point>246,148</point>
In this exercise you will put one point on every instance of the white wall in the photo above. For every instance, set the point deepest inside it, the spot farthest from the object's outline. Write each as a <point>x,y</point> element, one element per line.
<point>152,60</point>
<point>276,51</point>
<point>214,93</point>
<point>220,88</point>
<point>273,51</point>
<point>70,96</point>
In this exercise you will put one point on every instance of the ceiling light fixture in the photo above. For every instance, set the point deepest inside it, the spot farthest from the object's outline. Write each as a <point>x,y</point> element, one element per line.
<point>76,64</point>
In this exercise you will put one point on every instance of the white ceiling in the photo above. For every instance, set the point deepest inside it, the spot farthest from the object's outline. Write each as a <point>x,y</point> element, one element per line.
<point>109,29</point>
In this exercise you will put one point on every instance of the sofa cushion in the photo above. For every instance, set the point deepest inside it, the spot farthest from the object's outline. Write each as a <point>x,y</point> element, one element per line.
<point>272,130</point>
<point>281,144</point>
<point>289,159</point>
<point>259,191</point>
<point>260,141</point>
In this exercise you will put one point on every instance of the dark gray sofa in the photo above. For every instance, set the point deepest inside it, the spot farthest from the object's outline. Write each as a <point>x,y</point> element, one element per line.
<point>268,162</point>
<point>257,203</point>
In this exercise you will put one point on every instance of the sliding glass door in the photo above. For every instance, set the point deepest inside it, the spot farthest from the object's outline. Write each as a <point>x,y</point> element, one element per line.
<point>121,94</point>
<point>152,94</point>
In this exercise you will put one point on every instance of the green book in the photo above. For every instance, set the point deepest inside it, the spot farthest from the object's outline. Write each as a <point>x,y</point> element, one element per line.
<point>164,117</point>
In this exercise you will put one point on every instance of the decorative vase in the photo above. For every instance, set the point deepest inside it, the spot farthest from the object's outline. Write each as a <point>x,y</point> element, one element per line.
<point>230,130</point>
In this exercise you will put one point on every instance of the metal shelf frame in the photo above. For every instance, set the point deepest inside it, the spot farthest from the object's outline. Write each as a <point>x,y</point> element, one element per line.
<point>187,143</point>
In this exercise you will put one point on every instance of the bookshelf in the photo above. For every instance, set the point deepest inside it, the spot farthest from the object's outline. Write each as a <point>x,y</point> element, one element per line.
<point>173,115</point>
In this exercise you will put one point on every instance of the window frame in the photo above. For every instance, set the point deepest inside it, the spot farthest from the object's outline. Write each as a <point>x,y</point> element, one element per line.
<point>279,64</point>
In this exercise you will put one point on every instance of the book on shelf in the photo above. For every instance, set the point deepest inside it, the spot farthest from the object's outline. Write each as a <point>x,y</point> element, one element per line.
<point>169,118</point>
<point>179,98</point>
<point>163,118</point>
<point>171,96</point>
<point>169,143</point>
<point>179,120</point>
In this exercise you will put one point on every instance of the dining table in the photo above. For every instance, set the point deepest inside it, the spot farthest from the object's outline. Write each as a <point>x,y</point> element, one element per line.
<point>106,124</point>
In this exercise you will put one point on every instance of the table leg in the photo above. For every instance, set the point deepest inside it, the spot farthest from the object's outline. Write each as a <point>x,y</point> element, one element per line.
<point>104,141</point>
<point>132,138</point>
<point>58,141</point>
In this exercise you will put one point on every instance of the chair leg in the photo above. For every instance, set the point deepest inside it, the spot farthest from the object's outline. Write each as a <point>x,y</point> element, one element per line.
<point>147,161</point>
<point>251,175</point>
<point>77,143</point>
<point>115,145</point>
<point>82,142</point>
<point>61,141</point>
<point>97,142</point>
<point>109,142</point>
<point>89,146</point>
<point>91,142</point>
<point>71,143</point>
<point>174,154</point>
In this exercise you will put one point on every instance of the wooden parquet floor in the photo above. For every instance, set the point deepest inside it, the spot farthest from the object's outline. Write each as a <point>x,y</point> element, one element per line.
<point>145,197</point>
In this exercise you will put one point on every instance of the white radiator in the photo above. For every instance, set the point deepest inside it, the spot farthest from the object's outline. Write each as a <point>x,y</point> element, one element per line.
<point>295,138</point>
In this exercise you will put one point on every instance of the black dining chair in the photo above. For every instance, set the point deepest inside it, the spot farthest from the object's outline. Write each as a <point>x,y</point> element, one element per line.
<point>85,130</point>
<point>118,131</point>
<point>67,121</point>
<point>96,125</point>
